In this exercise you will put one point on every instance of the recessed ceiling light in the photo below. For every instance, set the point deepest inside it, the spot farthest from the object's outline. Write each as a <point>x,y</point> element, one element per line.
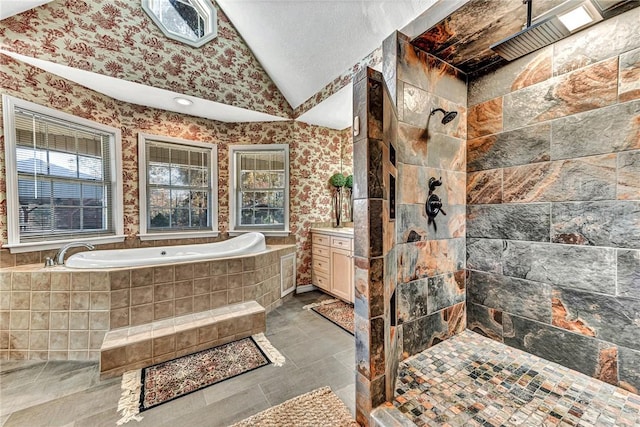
<point>182,101</point>
<point>576,18</point>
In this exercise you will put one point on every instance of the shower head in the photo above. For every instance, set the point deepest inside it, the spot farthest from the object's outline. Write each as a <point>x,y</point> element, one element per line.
<point>448,115</point>
<point>554,25</point>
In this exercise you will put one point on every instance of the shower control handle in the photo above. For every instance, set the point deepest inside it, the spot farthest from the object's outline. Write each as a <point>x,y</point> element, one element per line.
<point>434,207</point>
<point>433,183</point>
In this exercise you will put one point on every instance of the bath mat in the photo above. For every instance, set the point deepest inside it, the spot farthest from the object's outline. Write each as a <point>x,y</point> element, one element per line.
<point>320,407</point>
<point>166,381</point>
<point>321,302</point>
<point>338,312</point>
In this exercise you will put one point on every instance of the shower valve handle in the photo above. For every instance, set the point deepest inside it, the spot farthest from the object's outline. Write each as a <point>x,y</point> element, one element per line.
<point>433,183</point>
<point>434,206</point>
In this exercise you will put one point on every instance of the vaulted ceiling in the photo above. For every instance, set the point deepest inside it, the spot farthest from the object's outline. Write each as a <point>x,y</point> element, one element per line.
<point>304,46</point>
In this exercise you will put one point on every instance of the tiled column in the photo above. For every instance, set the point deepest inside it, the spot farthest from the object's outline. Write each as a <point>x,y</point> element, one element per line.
<point>371,207</point>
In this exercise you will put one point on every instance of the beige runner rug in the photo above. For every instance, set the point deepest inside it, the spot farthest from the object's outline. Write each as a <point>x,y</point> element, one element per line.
<point>318,408</point>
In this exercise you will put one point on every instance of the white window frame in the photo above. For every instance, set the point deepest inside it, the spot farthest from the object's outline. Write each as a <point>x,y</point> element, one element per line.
<point>142,191</point>
<point>204,8</point>
<point>13,223</point>
<point>233,182</point>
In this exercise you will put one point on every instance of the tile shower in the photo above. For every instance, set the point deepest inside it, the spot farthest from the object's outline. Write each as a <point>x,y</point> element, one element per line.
<point>541,169</point>
<point>553,204</point>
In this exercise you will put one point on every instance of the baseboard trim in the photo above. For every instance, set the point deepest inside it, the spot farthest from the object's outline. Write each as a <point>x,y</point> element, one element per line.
<point>300,289</point>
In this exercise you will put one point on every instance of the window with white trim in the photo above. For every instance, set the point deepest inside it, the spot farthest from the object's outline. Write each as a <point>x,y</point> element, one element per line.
<point>178,184</point>
<point>259,188</point>
<point>188,21</point>
<point>63,177</point>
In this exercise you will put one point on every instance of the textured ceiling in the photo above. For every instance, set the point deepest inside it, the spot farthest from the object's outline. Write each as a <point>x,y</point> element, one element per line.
<point>463,38</point>
<point>304,44</point>
<point>13,7</point>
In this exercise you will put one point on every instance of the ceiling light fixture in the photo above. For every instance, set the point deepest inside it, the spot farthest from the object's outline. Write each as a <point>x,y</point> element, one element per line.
<point>576,18</point>
<point>183,101</point>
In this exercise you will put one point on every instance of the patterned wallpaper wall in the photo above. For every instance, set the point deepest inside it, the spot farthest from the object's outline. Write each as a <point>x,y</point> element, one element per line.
<point>314,152</point>
<point>118,39</point>
<point>553,202</point>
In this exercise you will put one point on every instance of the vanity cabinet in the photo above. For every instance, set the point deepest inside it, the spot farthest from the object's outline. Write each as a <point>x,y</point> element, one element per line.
<point>332,262</point>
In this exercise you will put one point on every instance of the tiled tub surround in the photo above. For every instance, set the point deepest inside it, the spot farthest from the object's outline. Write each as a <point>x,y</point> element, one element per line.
<point>59,313</point>
<point>553,203</point>
<point>139,346</point>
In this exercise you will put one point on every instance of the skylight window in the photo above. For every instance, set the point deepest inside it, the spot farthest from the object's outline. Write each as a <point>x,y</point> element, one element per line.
<point>189,21</point>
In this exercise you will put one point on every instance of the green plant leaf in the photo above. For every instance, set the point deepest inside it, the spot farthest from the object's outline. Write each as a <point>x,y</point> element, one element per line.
<point>337,180</point>
<point>349,182</point>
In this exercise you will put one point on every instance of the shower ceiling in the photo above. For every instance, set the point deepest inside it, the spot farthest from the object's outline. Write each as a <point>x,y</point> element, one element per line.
<point>464,38</point>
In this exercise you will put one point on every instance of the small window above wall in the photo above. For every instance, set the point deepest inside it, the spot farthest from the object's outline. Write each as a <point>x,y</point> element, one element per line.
<point>259,193</point>
<point>192,22</point>
<point>178,188</point>
<point>63,175</point>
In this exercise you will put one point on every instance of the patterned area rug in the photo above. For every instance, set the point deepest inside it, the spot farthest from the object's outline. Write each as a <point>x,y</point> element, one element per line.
<point>339,312</point>
<point>320,407</point>
<point>161,383</point>
<point>166,381</point>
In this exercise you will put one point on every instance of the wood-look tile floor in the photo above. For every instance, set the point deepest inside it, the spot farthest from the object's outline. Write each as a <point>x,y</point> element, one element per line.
<point>318,353</point>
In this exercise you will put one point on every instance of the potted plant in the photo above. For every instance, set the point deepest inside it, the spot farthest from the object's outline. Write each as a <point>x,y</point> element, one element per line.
<point>337,181</point>
<point>348,185</point>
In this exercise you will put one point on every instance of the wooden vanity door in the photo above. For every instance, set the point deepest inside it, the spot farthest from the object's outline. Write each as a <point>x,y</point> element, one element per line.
<point>342,273</point>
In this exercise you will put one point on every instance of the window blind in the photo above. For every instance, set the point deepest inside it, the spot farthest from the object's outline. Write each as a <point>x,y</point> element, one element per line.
<point>65,187</point>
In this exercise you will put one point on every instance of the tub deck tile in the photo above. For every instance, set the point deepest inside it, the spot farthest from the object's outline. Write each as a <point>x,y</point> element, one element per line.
<point>212,328</point>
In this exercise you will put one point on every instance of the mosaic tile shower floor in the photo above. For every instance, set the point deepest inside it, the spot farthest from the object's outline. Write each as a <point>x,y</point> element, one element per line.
<point>470,380</point>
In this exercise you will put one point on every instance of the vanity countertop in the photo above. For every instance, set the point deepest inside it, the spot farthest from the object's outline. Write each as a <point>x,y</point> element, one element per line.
<point>340,232</point>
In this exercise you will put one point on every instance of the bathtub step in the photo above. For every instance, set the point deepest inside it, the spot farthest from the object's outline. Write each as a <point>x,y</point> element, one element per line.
<point>140,346</point>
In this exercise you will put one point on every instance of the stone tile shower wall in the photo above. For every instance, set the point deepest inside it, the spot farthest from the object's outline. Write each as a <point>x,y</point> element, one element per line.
<point>430,258</point>
<point>410,281</point>
<point>553,193</point>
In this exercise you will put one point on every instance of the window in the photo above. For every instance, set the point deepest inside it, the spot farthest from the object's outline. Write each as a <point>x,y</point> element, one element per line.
<point>259,179</point>
<point>62,178</point>
<point>178,185</point>
<point>188,21</point>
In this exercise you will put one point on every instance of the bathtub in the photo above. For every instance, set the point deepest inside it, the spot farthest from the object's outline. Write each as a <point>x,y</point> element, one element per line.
<point>248,243</point>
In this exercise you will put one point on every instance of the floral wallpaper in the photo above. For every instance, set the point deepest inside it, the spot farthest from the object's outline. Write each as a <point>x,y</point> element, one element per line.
<point>118,39</point>
<point>315,152</point>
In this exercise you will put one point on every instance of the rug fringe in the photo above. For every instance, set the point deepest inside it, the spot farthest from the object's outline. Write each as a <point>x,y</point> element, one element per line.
<point>269,350</point>
<point>319,303</point>
<point>129,403</point>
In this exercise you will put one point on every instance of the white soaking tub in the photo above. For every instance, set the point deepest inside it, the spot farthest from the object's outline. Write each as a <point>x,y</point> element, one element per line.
<point>249,243</point>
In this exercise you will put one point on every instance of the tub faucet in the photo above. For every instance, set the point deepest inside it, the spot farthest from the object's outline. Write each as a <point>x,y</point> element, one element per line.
<point>59,258</point>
